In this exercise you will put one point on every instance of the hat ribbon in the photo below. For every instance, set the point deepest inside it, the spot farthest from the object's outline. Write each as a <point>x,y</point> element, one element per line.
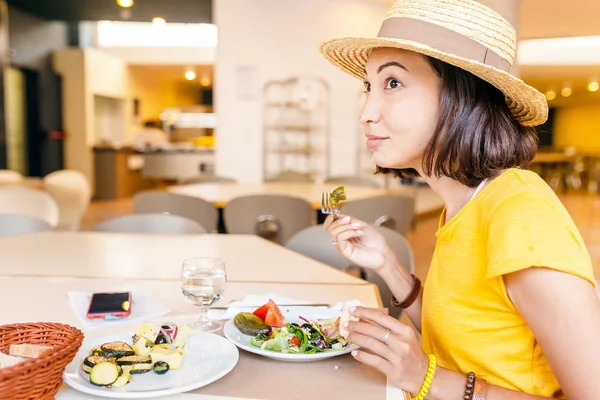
<point>443,39</point>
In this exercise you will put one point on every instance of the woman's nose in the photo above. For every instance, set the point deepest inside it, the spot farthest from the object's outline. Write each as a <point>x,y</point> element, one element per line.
<point>371,111</point>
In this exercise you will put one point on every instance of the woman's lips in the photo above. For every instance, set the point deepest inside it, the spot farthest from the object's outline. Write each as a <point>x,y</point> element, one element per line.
<point>373,142</point>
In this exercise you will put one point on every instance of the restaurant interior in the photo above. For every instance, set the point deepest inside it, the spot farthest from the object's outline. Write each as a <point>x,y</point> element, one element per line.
<point>139,136</point>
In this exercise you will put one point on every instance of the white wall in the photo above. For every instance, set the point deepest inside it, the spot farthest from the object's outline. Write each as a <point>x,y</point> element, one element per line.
<point>70,64</point>
<point>109,120</point>
<point>87,74</point>
<point>106,74</point>
<point>281,39</point>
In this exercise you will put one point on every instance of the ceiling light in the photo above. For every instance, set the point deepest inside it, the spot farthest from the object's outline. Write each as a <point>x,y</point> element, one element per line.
<point>550,95</point>
<point>593,86</point>
<point>125,3</point>
<point>190,75</point>
<point>205,81</point>
<point>158,21</point>
<point>566,92</point>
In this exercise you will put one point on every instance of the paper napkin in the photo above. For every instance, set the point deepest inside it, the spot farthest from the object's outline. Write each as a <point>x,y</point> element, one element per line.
<point>143,307</point>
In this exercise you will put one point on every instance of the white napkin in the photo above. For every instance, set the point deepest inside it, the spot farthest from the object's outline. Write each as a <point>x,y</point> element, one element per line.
<point>252,302</point>
<point>142,307</point>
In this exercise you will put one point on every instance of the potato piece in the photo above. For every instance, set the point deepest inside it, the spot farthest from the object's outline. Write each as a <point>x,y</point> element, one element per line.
<point>172,357</point>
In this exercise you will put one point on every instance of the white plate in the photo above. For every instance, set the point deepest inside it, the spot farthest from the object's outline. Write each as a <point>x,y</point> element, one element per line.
<point>207,358</point>
<point>243,341</point>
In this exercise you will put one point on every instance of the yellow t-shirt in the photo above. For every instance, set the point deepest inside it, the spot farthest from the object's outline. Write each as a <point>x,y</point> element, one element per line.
<point>468,320</point>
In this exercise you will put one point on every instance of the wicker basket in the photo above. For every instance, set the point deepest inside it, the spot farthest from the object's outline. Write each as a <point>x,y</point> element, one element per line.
<point>39,378</point>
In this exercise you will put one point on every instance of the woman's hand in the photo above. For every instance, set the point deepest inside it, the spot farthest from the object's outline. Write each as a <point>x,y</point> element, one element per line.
<point>360,242</point>
<point>398,354</point>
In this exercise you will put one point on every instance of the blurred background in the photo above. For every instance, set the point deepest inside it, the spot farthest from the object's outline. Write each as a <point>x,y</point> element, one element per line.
<point>144,94</point>
<point>209,80</point>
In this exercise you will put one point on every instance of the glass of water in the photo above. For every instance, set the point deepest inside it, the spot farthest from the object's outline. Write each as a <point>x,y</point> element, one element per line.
<point>203,281</point>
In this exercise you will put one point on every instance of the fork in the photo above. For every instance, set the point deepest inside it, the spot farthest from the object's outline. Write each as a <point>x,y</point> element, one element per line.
<point>328,208</point>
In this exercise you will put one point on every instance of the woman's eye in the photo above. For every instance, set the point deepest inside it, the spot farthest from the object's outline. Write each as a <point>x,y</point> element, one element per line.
<point>392,84</point>
<point>367,87</point>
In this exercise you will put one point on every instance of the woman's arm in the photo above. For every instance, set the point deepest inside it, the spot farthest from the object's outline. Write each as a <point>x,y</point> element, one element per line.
<point>366,247</point>
<point>450,385</point>
<point>400,357</point>
<point>563,312</point>
<point>400,283</point>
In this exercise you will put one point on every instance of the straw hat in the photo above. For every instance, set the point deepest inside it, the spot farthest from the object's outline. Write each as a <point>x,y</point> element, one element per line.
<point>463,33</point>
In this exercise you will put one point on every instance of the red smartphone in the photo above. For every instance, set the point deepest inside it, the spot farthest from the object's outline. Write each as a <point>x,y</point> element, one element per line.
<point>109,305</point>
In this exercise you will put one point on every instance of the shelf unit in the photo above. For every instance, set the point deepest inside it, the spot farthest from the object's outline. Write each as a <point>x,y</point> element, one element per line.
<point>296,129</point>
<point>191,130</point>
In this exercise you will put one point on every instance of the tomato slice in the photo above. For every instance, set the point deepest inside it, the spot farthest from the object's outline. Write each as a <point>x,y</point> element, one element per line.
<point>274,316</point>
<point>261,312</point>
<point>295,341</point>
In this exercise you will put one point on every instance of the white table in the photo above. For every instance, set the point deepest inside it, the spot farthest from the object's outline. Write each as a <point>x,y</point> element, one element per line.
<point>37,271</point>
<point>219,194</point>
<point>35,299</point>
<point>248,258</point>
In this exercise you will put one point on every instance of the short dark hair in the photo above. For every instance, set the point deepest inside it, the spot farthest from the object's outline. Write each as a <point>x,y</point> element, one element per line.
<point>476,136</point>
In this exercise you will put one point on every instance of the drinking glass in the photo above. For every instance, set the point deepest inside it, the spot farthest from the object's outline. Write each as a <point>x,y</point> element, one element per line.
<point>203,281</point>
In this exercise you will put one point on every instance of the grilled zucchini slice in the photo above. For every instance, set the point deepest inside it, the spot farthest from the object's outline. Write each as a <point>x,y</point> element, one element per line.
<point>141,368</point>
<point>338,194</point>
<point>136,364</point>
<point>104,374</point>
<point>91,361</point>
<point>117,349</point>
<point>132,360</point>
<point>97,351</point>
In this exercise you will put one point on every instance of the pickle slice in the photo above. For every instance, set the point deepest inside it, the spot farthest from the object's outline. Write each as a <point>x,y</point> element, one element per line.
<point>250,324</point>
<point>337,195</point>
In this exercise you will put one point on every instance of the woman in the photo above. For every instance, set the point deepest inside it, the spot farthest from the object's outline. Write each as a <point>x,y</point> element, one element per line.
<point>509,309</point>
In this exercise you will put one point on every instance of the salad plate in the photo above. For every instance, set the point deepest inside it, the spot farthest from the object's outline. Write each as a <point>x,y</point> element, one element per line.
<point>283,336</point>
<point>201,360</point>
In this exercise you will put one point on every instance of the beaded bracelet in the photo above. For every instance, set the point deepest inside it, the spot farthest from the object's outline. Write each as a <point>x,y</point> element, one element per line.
<point>428,378</point>
<point>469,386</point>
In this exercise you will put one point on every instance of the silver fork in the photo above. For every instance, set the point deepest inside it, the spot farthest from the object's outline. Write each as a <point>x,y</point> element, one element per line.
<point>328,208</point>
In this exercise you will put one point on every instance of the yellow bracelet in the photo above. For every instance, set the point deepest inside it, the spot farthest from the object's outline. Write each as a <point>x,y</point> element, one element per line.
<point>428,378</point>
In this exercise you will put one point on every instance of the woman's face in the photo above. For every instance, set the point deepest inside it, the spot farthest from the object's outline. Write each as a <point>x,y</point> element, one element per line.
<point>401,108</point>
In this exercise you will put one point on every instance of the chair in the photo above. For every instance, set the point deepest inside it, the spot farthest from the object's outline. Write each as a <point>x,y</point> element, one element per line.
<point>291,176</point>
<point>207,179</point>
<point>273,217</point>
<point>27,201</point>
<point>72,193</point>
<point>392,211</point>
<point>9,177</point>
<point>315,242</point>
<point>354,180</point>
<point>196,209</point>
<point>150,223</point>
<point>18,225</point>
<point>594,176</point>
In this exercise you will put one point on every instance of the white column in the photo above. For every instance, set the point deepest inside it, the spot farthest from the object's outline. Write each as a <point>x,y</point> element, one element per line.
<point>511,10</point>
<point>276,39</point>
